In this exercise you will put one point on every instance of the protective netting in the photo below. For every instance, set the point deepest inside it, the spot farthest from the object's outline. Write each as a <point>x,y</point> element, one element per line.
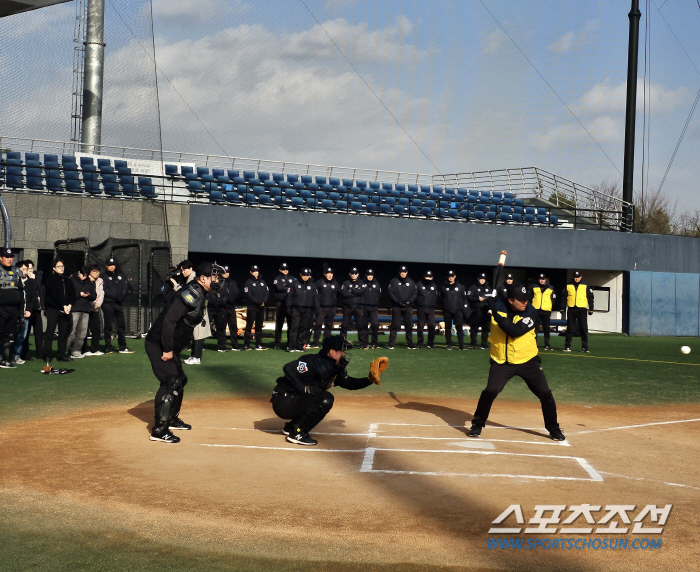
<point>74,254</point>
<point>128,259</point>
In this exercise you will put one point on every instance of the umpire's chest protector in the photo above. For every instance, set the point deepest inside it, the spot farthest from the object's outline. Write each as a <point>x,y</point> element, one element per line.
<point>512,350</point>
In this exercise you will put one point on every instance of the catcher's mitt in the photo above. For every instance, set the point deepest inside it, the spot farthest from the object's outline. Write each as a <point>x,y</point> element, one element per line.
<point>377,366</point>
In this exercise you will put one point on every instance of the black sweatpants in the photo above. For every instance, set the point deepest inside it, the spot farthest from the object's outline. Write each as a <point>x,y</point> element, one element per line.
<point>9,324</point>
<point>293,406</point>
<point>37,325</point>
<point>324,320</point>
<point>114,313</point>
<point>299,327</point>
<point>426,316</point>
<point>95,331</point>
<point>456,318</point>
<point>397,314</point>
<point>359,315</point>
<point>226,317</point>
<point>531,372</point>
<point>282,313</point>
<point>255,317</point>
<point>166,373</point>
<point>372,325</point>
<point>544,319</point>
<point>480,319</point>
<point>574,316</point>
<point>64,322</point>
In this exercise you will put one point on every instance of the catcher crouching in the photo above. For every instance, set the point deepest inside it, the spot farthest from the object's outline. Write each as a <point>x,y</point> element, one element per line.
<point>302,394</point>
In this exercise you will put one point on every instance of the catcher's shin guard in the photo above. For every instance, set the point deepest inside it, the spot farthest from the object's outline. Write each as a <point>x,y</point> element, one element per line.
<point>316,414</point>
<point>168,401</point>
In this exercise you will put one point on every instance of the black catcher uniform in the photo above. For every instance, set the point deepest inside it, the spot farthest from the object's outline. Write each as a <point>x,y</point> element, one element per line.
<point>426,301</point>
<point>171,331</point>
<point>328,302</point>
<point>223,304</point>
<point>454,297</point>
<point>303,301</point>
<point>116,288</point>
<point>543,301</point>
<point>514,352</point>
<point>281,286</point>
<point>302,395</point>
<point>11,307</point>
<point>480,317</point>
<point>579,301</point>
<point>256,292</point>
<point>372,292</point>
<point>352,292</point>
<point>402,292</point>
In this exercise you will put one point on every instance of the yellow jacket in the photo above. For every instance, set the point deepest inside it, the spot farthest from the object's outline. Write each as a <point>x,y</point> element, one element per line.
<point>543,297</point>
<point>513,336</point>
<point>579,295</point>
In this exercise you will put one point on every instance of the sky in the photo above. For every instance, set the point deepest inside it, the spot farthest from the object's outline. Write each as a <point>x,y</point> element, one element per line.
<point>430,86</point>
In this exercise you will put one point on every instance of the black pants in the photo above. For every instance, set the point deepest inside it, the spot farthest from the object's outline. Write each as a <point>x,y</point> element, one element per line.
<point>282,313</point>
<point>324,320</point>
<point>299,327</point>
<point>36,324</point>
<point>255,317</point>
<point>359,315</point>
<point>9,324</point>
<point>531,372</point>
<point>372,325</point>
<point>456,318</point>
<point>114,313</point>
<point>574,316</point>
<point>172,383</point>
<point>95,331</point>
<point>426,316</point>
<point>64,322</point>
<point>197,349</point>
<point>397,314</point>
<point>303,410</point>
<point>480,319</point>
<point>226,317</point>
<point>543,319</point>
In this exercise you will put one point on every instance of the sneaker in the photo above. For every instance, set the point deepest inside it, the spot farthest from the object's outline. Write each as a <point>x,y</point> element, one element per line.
<point>193,361</point>
<point>316,347</point>
<point>449,348</point>
<point>64,359</point>
<point>568,350</point>
<point>473,347</point>
<point>375,347</point>
<point>463,349</point>
<point>361,347</point>
<point>19,360</point>
<point>166,437</point>
<point>557,435</point>
<point>126,351</point>
<point>222,351</point>
<point>485,347</point>
<point>236,349</point>
<point>475,431</point>
<point>178,423</point>
<point>288,428</point>
<point>7,364</point>
<point>109,351</point>
<point>431,347</point>
<point>262,349</point>
<point>289,350</point>
<point>585,351</point>
<point>548,348</point>
<point>413,347</point>
<point>247,348</point>
<point>301,438</point>
<point>77,356</point>
<point>278,347</point>
<point>390,347</point>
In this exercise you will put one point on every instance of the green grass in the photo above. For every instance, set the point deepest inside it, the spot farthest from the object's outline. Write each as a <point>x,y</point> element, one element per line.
<point>633,378</point>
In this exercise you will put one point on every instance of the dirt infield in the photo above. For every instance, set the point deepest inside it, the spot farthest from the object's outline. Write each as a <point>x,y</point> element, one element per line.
<point>392,481</point>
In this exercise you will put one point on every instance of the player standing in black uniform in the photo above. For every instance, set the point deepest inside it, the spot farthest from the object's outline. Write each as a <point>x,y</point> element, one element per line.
<point>579,301</point>
<point>426,301</point>
<point>116,288</point>
<point>168,335</point>
<point>402,291</point>
<point>503,289</point>
<point>543,299</point>
<point>477,296</point>
<point>224,311</point>
<point>302,396</point>
<point>256,293</point>
<point>352,292</point>
<point>303,301</point>
<point>281,286</point>
<point>454,297</point>
<point>370,303</point>
<point>11,305</point>
<point>328,289</point>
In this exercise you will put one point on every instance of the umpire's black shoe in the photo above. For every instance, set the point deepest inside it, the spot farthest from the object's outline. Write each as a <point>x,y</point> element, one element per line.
<point>548,348</point>
<point>475,431</point>
<point>301,438</point>
<point>449,348</point>
<point>585,351</point>
<point>568,350</point>
<point>64,359</point>
<point>166,437</point>
<point>557,435</point>
<point>288,428</point>
<point>178,423</point>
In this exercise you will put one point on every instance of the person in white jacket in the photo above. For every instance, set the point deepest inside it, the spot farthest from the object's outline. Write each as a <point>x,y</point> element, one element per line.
<point>95,321</point>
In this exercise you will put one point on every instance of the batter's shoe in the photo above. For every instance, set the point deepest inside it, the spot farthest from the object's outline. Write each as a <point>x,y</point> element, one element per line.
<point>568,350</point>
<point>178,423</point>
<point>166,437</point>
<point>557,435</point>
<point>301,438</point>
<point>475,431</point>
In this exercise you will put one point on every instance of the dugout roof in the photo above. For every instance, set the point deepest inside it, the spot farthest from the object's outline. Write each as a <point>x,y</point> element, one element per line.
<point>10,7</point>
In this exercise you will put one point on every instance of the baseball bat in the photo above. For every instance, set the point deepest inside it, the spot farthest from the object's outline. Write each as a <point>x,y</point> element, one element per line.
<point>499,268</point>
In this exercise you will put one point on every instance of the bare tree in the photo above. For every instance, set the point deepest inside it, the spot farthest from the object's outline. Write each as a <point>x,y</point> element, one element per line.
<point>654,212</point>
<point>688,224</point>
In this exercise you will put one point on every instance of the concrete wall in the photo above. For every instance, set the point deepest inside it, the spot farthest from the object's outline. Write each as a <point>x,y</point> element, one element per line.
<point>39,220</point>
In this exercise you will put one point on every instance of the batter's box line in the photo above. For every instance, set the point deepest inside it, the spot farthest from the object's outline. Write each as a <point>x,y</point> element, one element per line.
<point>368,465</point>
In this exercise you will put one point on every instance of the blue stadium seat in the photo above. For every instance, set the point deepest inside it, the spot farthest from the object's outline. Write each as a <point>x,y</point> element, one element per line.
<point>364,199</point>
<point>454,213</point>
<point>321,181</point>
<point>195,187</point>
<point>395,193</point>
<point>387,186</point>
<point>530,210</point>
<point>507,201</point>
<point>327,187</point>
<point>249,175</point>
<point>306,194</point>
<point>334,196</point>
<point>519,202</point>
<point>529,218</point>
<point>413,188</point>
<point>172,170</point>
<point>508,195</point>
<point>435,196</point>
<point>404,201</point>
<point>360,184</point>
<point>437,190</point>
<point>335,182</point>
<point>32,157</point>
<point>328,204</point>
<point>87,161</point>
<point>413,210</point>
<point>496,200</point>
<point>467,214</point>
<point>382,192</point>
<point>554,220</point>
<point>399,209</point>
<point>518,210</point>
<point>390,200</point>
<point>69,163</point>
<point>506,209</point>
<point>486,194</point>
<point>517,217</point>
<point>541,211</point>
<point>374,185</point>
<point>15,175</point>
<point>443,204</point>
<point>232,197</point>
<point>48,158</point>
<point>34,174</point>
<point>421,195</point>
<point>103,163</point>
<point>232,173</point>
<point>357,207</point>
<point>341,205</point>
<point>385,208</point>
<point>312,203</point>
<point>109,182</point>
<point>542,218</point>
<point>320,195</point>
<point>497,195</point>
<point>504,216</point>
<point>463,192</point>
<point>427,211</point>
<point>442,213</point>
<point>449,191</point>
<point>375,199</point>
<point>416,202</point>
<point>479,215</point>
<point>250,198</point>
<point>297,202</point>
<point>400,187</point>
<point>120,164</point>
<point>484,200</point>
<point>216,197</point>
<point>409,193</point>
<point>72,179</point>
<point>275,192</point>
<point>53,174</point>
<point>290,193</point>
<point>347,183</point>
<point>481,208</point>
<point>371,208</point>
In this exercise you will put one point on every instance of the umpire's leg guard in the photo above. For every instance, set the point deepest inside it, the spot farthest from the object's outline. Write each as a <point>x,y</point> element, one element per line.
<point>315,414</point>
<point>168,401</point>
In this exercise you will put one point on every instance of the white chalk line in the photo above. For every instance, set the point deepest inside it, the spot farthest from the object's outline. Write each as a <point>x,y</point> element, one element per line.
<point>650,480</point>
<point>457,426</point>
<point>636,426</point>
<point>555,443</point>
<point>291,448</point>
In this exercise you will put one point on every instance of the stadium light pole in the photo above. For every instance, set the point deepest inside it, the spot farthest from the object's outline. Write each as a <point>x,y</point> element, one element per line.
<point>91,137</point>
<point>631,116</point>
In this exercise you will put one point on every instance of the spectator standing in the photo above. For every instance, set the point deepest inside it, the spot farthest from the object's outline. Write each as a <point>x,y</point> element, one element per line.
<point>59,295</point>
<point>95,320</point>
<point>35,305</point>
<point>84,295</point>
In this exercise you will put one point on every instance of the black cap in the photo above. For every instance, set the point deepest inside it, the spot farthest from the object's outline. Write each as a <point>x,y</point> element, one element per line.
<point>354,270</point>
<point>7,252</point>
<point>482,275</point>
<point>403,268</point>
<point>451,273</point>
<point>369,272</point>
<point>428,274</point>
<point>541,276</point>
<point>225,267</point>
<point>509,276</point>
<point>577,274</point>
<point>204,269</point>
<point>110,262</point>
<point>337,343</point>
<point>328,270</point>
<point>517,291</point>
<point>284,266</point>
<point>254,268</point>
<point>305,272</point>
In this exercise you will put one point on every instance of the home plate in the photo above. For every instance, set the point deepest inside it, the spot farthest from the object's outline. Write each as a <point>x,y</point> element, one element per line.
<point>474,444</point>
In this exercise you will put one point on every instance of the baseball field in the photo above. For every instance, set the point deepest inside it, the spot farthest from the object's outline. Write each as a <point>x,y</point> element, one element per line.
<point>394,483</point>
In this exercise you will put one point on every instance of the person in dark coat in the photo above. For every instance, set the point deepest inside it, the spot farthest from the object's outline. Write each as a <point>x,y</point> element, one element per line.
<point>256,293</point>
<point>328,289</point>
<point>34,290</point>
<point>282,288</point>
<point>454,297</point>
<point>116,288</point>
<point>223,308</point>
<point>303,303</point>
<point>352,292</point>
<point>426,301</point>
<point>370,302</point>
<point>402,291</point>
<point>59,296</point>
<point>478,296</point>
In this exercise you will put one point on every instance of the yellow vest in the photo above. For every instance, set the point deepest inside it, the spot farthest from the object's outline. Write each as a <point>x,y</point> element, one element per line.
<point>576,295</point>
<point>512,350</point>
<point>542,300</point>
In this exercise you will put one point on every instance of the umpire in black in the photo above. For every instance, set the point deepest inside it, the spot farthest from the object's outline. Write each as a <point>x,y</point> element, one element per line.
<point>372,292</point>
<point>403,292</point>
<point>281,286</point>
<point>426,301</point>
<point>223,308</point>
<point>116,288</point>
<point>454,297</point>
<point>256,293</point>
<point>478,296</point>
<point>303,300</point>
<point>302,395</point>
<point>328,288</point>
<point>352,293</point>
<point>168,335</point>
<point>11,305</point>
